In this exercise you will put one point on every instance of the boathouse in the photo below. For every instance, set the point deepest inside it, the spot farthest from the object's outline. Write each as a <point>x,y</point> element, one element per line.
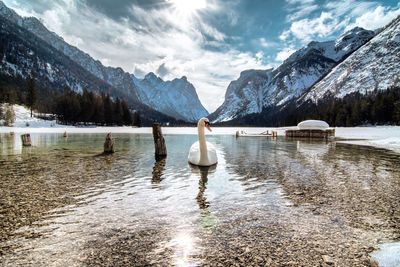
<point>311,129</point>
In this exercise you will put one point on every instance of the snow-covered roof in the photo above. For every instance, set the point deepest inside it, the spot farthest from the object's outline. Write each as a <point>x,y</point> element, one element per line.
<point>313,125</point>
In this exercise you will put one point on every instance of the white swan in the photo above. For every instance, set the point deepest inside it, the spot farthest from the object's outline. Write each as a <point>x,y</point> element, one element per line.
<point>203,153</point>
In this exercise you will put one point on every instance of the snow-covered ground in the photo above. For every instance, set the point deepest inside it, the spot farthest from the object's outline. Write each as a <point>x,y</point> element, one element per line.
<point>23,119</point>
<point>387,137</point>
<point>388,255</point>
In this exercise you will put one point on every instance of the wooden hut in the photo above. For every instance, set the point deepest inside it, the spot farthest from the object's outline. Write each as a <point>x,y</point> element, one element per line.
<point>311,129</point>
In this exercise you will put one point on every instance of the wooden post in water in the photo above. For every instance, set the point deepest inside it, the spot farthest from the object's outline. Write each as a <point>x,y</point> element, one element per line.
<point>159,142</point>
<point>26,140</point>
<point>109,144</point>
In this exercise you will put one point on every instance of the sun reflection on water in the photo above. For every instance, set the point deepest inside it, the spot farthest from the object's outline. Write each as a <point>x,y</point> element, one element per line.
<point>183,246</point>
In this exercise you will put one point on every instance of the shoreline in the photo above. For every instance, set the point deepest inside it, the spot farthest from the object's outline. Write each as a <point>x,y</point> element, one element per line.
<point>382,137</point>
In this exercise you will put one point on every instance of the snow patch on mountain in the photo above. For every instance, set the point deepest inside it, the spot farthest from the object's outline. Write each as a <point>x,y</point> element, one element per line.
<point>375,66</point>
<point>337,49</point>
<point>243,95</point>
<point>253,91</point>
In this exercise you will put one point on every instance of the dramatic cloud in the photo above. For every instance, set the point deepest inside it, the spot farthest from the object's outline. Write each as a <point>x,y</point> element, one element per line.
<point>375,19</point>
<point>299,9</point>
<point>322,26</point>
<point>264,43</point>
<point>284,54</point>
<point>151,38</point>
<point>311,21</point>
<point>162,70</point>
<point>208,41</point>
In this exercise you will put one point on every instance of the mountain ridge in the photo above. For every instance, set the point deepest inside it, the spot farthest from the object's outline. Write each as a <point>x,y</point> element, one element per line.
<point>363,88</point>
<point>116,77</point>
<point>360,73</point>
<point>23,53</point>
<point>293,77</point>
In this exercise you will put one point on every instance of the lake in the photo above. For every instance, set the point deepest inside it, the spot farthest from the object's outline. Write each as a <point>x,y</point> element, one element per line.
<point>273,202</point>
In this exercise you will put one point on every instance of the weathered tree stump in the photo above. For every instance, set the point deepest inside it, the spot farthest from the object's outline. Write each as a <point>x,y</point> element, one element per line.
<point>159,142</point>
<point>158,171</point>
<point>109,144</point>
<point>26,140</point>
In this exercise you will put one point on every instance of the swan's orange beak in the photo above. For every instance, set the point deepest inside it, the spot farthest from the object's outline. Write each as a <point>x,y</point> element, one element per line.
<point>208,126</point>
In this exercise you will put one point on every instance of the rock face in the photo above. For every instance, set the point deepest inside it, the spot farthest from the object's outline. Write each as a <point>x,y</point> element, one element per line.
<point>177,98</point>
<point>260,89</point>
<point>243,96</point>
<point>375,66</point>
<point>185,107</point>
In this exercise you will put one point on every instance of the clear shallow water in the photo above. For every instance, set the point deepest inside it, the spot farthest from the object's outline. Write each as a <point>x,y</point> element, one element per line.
<point>267,202</point>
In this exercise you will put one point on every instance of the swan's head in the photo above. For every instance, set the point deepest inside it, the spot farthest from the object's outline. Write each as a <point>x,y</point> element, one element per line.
<point>204,122</point>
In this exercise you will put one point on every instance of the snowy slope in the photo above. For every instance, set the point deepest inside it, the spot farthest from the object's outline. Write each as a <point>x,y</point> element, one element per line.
<point>23,53</point>
<point>291,79</point>
<point>373,66</point>
<point>23,119</point>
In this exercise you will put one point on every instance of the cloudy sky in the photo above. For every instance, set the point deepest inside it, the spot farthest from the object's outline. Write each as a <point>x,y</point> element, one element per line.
<point>209,41</point>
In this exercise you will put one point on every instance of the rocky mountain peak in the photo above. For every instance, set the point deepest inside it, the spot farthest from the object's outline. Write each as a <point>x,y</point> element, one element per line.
<point>152,78</point>
<point>353,39</point>
<point>9,14</point>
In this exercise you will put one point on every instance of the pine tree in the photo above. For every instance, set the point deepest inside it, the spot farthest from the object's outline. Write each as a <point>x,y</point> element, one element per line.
<point>9,116</point>
<point>396,112</point>
<point>136,119</point>
<point>118,113</point>
<point>31,97</point>
<point>108,109</point>
<point>127,116</point>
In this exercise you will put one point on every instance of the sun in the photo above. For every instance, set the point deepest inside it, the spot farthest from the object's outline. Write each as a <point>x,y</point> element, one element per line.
<point>188,6</point>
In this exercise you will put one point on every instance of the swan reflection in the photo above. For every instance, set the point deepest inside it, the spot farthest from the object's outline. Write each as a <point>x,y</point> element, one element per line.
<point>207,219</point>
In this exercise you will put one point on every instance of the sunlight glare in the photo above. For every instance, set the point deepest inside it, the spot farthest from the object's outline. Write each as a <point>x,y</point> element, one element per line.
<point>183,246</point>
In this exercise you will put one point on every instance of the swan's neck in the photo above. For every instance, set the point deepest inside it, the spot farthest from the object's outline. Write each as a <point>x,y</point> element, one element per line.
<point>202,145</point>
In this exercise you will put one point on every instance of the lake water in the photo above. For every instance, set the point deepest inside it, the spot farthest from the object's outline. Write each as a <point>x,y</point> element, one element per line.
<point>273,202</point>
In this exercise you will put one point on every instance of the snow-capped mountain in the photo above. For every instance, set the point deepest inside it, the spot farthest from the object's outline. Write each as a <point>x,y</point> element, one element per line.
<point>22,53</point>
<point>374,66</point>
<point>185,107</point>
<point>178,97</point>
<point>244,95</point>
<point>292,78</point>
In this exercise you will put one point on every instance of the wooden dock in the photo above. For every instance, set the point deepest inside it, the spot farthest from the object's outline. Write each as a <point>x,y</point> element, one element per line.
<point>306,133</point>
<point>263,134</point>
